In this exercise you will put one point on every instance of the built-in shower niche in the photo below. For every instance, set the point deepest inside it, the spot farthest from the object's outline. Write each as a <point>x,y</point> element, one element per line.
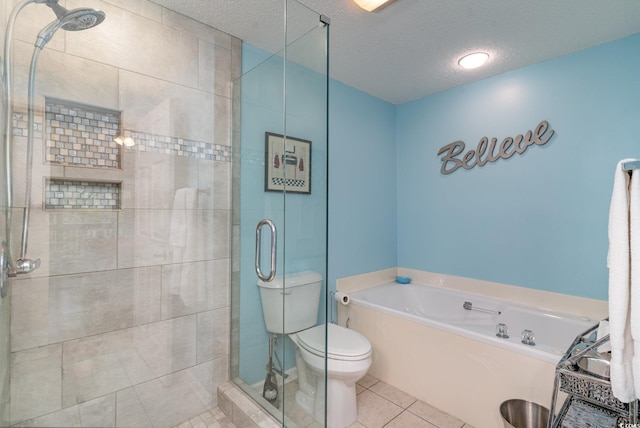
<point>81,135</point>
<point>63,193</point>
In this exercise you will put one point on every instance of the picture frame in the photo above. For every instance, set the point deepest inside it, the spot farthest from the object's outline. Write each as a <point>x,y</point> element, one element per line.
<point>287,164</point>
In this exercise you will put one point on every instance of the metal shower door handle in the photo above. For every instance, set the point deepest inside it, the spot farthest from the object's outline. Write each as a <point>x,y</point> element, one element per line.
<point>272,227</point>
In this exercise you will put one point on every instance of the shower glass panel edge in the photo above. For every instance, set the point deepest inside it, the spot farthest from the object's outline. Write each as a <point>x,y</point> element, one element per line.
<point>285,94</point>
<point>5,303</point>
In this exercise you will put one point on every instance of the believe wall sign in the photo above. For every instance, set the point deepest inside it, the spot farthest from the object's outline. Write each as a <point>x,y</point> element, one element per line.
<point>486,150</point>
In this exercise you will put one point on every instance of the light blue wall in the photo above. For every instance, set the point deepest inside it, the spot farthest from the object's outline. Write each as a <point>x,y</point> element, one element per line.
<point>362,187</point>
<point>537,220</point>
<point>362,183</point>
<point>301,220</point>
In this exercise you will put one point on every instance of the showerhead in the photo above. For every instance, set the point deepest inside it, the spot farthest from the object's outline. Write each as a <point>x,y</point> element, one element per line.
<point>77,19</point>
<point>69,20</point>
<point>82,19</point>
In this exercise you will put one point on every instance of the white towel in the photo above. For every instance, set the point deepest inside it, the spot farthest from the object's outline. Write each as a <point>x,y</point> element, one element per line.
<point>634,244</point>
<point>622,383</point>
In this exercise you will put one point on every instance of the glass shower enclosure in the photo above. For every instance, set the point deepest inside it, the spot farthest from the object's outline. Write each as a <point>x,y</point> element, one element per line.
<point>159,143</point>
<point>125,321</point>
<point>279,211</point>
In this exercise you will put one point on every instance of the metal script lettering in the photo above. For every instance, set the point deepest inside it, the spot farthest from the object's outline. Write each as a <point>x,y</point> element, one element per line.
<point>489,151</point>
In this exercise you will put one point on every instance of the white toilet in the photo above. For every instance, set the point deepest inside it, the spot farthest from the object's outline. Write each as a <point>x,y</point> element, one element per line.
<point>348,352</point>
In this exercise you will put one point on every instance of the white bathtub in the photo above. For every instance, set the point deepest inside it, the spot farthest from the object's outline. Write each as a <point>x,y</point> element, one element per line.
<point>443,308</point>
<point>426,344</point>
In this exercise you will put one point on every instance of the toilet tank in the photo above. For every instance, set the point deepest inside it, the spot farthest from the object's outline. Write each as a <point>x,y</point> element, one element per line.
<point>290,303</point>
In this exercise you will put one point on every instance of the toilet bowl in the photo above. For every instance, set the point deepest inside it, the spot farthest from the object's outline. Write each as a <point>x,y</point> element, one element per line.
<point>348,354</point>
<point>348,359</point>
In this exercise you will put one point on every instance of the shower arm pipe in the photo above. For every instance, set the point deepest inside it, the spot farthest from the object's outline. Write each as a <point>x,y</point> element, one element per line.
<point>29,160</point>
<point>43,38</point>
<point>25,265</point>
<point>8,124</point>
<point>8,100</point>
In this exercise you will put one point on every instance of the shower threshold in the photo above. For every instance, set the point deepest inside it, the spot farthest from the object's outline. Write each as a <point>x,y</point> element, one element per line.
<point>211,419</point>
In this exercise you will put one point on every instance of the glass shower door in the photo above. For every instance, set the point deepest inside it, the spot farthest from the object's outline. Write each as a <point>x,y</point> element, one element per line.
<point>280,176</point>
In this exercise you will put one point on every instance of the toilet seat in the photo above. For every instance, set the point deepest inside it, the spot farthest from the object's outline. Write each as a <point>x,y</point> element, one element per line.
<point>344,344</point>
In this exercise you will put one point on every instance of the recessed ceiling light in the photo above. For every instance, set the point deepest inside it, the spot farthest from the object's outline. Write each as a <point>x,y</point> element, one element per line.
<point>373,5</point>
<point>473,60</point>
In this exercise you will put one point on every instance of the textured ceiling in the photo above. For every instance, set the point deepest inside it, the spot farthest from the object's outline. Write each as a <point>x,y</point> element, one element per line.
<point>410,49</point>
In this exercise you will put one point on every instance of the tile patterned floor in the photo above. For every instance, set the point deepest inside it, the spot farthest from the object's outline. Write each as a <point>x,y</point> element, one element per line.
<point>382,405</point>
<point>379,405</point>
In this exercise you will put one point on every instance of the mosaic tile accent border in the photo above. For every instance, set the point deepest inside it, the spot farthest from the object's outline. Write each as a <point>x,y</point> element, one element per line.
<point>80,135</point>
<point>84,136</point>
<point>63,193</point>
<point>20,125</point>
<point>145,142</point>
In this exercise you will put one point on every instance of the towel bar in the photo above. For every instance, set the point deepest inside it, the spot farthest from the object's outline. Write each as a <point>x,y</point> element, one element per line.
<point>628,166</point>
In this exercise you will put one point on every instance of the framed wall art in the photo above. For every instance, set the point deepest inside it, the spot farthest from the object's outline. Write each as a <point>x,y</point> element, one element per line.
<point>287,164</point>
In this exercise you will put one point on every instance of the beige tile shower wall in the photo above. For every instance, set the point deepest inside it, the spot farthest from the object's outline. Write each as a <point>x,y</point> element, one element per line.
<point>162,107</point>
<point>62,76</point>
<point>132,42</point>
<point>127,321</point>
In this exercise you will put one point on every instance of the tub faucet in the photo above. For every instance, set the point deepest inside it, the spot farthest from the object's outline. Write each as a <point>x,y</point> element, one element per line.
<point>469,306</point>
<point>502,330</point>
<point>528,338</point>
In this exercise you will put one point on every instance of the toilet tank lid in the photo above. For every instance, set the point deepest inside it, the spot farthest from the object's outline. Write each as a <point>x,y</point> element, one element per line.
<point>291,280</point>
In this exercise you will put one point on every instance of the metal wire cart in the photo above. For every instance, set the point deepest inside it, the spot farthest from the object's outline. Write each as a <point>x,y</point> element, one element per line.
<point>582,381</point>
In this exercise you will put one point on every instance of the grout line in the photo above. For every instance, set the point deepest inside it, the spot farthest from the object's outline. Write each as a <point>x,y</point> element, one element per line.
<point>404,409</point>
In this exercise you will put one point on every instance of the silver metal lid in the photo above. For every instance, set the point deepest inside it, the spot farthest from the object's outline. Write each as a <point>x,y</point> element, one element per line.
<point>596,365</point>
